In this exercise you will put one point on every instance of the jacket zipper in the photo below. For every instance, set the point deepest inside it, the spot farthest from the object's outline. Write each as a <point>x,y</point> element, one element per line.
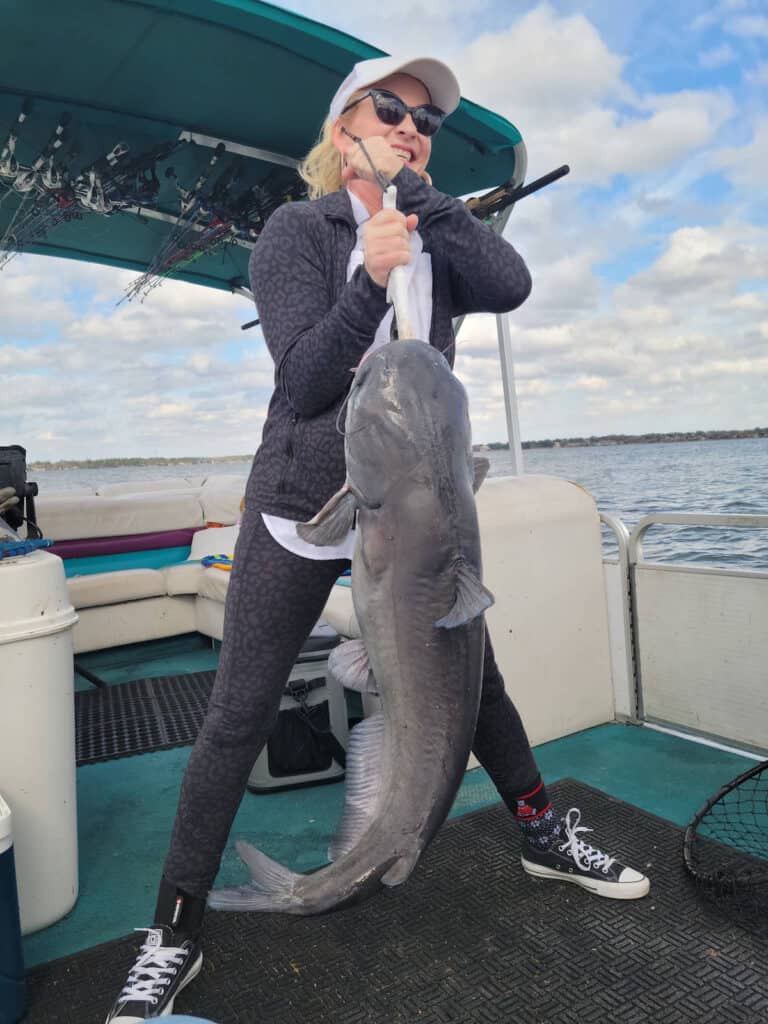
<point>289,452</point>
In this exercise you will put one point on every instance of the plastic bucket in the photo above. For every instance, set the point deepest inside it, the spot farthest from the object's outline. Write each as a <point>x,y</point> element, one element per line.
<point>12,986</point>
<point>37,734</point>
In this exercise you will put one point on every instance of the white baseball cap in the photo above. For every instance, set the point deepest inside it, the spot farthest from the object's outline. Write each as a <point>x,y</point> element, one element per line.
<point>438,78</point>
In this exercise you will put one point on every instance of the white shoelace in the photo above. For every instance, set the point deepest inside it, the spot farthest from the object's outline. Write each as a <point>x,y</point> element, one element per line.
<point>586,856</point>
<point>154,970</point>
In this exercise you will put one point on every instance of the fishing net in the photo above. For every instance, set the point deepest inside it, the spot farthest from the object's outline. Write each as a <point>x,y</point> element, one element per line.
<point>726,849</point>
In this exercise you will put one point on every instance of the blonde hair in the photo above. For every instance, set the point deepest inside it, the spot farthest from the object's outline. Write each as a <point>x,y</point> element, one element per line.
<point>321,167</point>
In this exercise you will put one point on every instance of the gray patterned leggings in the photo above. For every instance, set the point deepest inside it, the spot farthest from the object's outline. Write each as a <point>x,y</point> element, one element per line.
<point>273,601</point>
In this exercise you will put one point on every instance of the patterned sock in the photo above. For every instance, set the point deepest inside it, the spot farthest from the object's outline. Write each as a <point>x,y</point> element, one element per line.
<point>536,817</point>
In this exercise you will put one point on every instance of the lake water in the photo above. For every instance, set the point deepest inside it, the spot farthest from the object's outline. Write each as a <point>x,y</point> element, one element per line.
<point>627,481</point>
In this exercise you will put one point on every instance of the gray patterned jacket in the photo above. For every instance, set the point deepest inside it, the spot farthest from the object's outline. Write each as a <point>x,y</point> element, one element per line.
<point>317,325</point>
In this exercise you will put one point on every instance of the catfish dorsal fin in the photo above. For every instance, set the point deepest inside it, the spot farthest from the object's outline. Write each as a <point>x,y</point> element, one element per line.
<point>333,522</point>
<point>472,598</point>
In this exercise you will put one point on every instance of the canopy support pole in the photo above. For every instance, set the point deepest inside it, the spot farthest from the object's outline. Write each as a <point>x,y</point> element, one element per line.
<point>510,392</point>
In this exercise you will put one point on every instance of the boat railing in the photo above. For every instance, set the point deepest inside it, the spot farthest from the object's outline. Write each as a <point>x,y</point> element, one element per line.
<point>689,643</point>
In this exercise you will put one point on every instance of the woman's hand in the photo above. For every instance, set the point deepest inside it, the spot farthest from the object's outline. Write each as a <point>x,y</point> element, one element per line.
<point>386,243</point>
<point>384,158</point>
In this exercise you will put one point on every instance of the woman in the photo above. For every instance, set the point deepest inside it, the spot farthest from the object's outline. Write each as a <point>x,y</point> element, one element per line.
<point>319,275</point>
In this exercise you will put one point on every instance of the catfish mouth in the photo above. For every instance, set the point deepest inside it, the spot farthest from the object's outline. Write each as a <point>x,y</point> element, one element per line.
<point>393,389</point>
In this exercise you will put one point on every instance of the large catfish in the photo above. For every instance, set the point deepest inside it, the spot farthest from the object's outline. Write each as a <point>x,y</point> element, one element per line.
<point>419,600</point>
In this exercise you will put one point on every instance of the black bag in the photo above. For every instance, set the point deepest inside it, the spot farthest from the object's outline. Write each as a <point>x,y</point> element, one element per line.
<point>302,742</point>
<point>13,473</point>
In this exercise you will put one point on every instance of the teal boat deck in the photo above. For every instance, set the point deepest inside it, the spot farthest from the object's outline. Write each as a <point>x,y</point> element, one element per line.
<point>126,807</point>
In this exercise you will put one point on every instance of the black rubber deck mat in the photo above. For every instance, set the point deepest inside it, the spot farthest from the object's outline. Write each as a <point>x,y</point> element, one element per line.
<point>157,713</point>
<point>469,939</point>
<point>140,716</point>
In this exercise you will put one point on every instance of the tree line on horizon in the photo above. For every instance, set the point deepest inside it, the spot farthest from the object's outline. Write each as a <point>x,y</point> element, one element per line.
<point>651,438</point>
<point>556,442</point>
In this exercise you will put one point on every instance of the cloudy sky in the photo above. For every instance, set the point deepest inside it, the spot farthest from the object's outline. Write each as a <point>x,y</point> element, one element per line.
<point>650,261</point>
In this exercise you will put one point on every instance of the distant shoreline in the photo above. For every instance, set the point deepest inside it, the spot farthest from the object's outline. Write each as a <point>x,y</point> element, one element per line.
<point>606,440</point>
<point>557,442</point>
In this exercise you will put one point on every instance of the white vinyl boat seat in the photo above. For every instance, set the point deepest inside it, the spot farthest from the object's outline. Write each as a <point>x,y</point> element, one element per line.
<point>123,606</point>
<point>543,562</point>
<point>106,588</point>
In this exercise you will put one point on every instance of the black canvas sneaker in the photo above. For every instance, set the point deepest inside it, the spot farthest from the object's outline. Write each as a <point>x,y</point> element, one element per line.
<point>570,859</point>
<point>162,969</point>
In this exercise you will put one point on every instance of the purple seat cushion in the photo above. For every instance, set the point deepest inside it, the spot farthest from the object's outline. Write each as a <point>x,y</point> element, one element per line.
<point>94,546</point>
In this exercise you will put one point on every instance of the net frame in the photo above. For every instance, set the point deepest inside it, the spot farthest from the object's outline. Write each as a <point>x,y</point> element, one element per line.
<point>725,847</point>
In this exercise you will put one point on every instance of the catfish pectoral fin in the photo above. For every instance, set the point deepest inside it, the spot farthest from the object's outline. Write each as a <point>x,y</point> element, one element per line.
<point>472,598</point>
<point>349,665</point>
<point>480,467</point>
<point>333,522</point>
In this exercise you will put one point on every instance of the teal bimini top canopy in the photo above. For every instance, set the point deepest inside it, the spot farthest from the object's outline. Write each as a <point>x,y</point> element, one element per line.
<point>159,134</point>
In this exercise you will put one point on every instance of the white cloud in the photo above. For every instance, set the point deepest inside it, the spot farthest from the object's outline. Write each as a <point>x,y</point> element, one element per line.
<point>758,75</point>
<point>543,63</point>
<point>704,21</point>
<point>602,143</point>
<point>748,302</point>
<point>698,259</point>
<point>719,57</point>
<point>565,90</point>
<point>752,26</point>
<point>588,383</point>
<point>680,345</point>
<point>155,376</point>
<point>746,165</point>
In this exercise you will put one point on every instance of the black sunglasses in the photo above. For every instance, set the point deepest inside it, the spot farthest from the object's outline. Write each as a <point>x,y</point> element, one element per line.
<point>390,109</point>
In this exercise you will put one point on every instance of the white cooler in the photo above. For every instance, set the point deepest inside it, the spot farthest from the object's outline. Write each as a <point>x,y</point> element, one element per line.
<point>37,733</point>
<point>309,687</point>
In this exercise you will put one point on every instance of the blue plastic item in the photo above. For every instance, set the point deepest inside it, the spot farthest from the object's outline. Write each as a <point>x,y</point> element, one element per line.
<point>182,1019</point>
<point>13,996</point>
<point>14,547</point>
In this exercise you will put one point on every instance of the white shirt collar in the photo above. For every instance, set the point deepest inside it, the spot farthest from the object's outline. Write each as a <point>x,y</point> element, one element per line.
<point>359,209</point>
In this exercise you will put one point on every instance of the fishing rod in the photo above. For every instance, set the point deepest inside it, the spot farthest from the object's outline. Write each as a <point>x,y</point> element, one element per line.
<point>492,203</point>
<point>65,192</point>
<point>229,177</point>
<point>9,166</point>
<point>256,204</point>
<point>113,183</point>
<point>134,182</point>
<point>218,237</point>
<point>26,179</point>
<point>191,207</point>
<point>89,184</point>
<point>212,237</point>
<point>204,239</point>
<point>55,204</point>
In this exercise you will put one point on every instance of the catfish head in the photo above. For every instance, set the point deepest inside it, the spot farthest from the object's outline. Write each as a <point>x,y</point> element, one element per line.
<point>406,412</point>
<point>407,418</point>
